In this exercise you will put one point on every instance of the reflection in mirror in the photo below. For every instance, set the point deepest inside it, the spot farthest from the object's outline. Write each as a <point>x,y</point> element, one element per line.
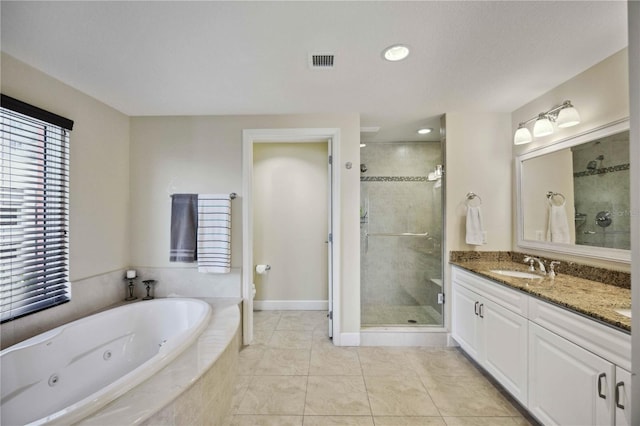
<point>575,193</point>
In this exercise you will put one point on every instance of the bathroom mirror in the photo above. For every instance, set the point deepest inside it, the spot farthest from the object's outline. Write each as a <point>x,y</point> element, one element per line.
<point>573,196</point>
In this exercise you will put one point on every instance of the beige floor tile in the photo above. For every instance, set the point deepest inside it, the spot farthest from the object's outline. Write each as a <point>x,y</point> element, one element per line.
<point>336,395</point>
<point>252,420</point>
<point>384,361</point>
<point>399,396</point>
<point>321,337</point>
<point>266,320</point>
<point>480,421</point>
<point>240,388</point>
<point>282,395</point>
<point>261,336</point>
<point>248,359</point>
<point>338,421</point>
<point>334,361</point>
<point>440,361</point>
<point>302,320</point>
<point>287,339</point>
<point>468,396</point>
<point>408,421</point>
<point>284,362</point>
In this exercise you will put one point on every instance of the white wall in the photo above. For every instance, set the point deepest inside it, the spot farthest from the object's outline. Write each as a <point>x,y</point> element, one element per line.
<point>478,159</point>
<point>99,186</point>
<point>290,220</point>
<point>204,154</point>
<point>601,95</point>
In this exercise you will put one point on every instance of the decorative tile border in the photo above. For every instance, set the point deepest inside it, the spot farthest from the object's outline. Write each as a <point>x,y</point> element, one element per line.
<point>618,168</point>
<point>393,179</point>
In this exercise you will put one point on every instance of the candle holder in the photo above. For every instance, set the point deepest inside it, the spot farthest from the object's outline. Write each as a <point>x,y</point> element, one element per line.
<point>130,288</point>
<point>148,283</point>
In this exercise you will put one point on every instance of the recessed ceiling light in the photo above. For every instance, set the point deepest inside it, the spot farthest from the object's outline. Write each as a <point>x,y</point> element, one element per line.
<point>397,52</point>
<point>362,145</point>
<point>425,130</point>
<point>370,129</point>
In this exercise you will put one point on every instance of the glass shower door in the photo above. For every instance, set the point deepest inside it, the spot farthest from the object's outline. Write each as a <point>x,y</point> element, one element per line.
<point>401,234</point>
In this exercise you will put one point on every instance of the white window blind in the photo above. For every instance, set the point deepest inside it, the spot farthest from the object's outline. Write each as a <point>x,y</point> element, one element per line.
<point>34,209</point>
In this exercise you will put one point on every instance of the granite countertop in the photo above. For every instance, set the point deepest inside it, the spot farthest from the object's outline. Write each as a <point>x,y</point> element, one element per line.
<point>591,298</point>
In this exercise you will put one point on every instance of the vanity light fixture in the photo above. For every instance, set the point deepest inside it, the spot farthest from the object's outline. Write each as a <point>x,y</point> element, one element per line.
<point>425,131</point>
<point>564,115</point>
<point>395,53</point>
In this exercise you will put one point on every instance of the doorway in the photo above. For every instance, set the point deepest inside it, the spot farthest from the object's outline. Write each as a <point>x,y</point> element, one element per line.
<point>330,139</point>
<point>290,226</point>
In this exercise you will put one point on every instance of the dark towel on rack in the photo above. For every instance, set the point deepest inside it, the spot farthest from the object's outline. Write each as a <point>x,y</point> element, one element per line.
<point>184,228</point>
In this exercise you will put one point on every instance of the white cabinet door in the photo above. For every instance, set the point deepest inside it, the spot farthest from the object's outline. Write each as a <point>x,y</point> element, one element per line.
<point>567,384</point>
<point>622,397</point>
<point>464,327</point>
<point>505,348</point>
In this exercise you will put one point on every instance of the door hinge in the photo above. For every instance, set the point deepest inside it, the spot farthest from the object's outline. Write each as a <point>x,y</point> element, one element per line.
<point>440,298</point>
<point>330,238</point>
<point>330,315</point>
<point>331,159</point>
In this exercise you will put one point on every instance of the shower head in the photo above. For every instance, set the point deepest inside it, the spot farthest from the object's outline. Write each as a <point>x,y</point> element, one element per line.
<point>593,164</point>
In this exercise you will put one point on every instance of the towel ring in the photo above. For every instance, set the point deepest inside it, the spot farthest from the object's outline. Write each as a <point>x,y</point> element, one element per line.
<point>550,198</point>
<point>472,196</point>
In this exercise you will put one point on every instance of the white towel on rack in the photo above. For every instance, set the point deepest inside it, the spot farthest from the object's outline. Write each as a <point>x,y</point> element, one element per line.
<point>558,229</point>
<point>474,226</point>
<point>214,233</point>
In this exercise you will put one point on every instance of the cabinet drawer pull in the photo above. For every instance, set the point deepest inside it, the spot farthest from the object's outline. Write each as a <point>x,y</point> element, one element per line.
<point>475,308</point>
<point>600,377</point>
<point>481,310</point>
<point>618,386</point>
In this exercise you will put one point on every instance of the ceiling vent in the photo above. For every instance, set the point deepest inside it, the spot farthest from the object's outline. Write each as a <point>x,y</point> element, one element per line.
<point>321,61</point>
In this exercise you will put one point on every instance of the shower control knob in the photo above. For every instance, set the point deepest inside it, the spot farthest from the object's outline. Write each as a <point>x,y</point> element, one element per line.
<point>603,219</point>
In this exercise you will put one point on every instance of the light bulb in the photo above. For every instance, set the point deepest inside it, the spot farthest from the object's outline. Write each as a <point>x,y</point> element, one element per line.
<point>522,136</point>
<point>568,117</point>
<point>542,127</point>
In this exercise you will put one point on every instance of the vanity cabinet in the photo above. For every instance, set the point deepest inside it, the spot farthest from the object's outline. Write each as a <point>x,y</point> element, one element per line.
<point>622,397</point>
<point>568,385</point>
<point>491,333</point>
<point>565,368</point>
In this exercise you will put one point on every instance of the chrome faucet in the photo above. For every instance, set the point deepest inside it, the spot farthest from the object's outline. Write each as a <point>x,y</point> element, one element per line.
<point>552,273</point>
<point>531,259</point>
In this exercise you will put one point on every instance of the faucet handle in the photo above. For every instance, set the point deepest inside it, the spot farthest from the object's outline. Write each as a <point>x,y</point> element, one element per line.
<point>552,264</point>
<point>530,260</point>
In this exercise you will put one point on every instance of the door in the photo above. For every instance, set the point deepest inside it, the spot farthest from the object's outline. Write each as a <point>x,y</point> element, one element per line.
<point>330,245</point>
<point>568,385</point>
<point>622,397</point>
<point>464,317</point>
<point>505,348</point>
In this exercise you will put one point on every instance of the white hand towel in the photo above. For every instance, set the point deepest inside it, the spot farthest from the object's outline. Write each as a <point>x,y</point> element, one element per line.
<point>474,226</point>
<point>558,229</point>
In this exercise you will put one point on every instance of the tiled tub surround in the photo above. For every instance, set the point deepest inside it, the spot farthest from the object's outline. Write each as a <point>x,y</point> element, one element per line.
<point>594,299</point>
<point>88,296</point>
<point>195,389</point>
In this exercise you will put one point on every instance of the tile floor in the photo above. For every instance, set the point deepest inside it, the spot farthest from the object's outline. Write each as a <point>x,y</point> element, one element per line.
<point>293,375</point>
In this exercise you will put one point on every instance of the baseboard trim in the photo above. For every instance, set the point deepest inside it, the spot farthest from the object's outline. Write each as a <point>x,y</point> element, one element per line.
<point>349,339</point>
<point>290,305</point>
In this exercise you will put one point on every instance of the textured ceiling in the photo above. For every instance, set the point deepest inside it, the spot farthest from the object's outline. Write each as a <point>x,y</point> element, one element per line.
<point>197,58</point>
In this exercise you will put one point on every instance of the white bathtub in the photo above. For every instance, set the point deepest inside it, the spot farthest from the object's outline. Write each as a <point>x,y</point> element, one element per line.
<point>68,373</point>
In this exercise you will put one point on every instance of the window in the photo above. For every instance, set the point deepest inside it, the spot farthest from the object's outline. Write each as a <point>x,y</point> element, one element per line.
<point>34,209</point>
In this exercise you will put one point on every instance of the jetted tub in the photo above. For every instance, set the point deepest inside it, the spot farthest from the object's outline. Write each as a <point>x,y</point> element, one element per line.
<point>68,373</point>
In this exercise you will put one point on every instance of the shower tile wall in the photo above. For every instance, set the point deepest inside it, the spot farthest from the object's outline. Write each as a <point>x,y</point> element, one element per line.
<point>400,276</point>
<point>605,188</point>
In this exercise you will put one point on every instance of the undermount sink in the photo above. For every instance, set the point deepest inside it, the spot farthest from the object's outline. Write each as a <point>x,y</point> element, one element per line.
<point>625,312</point>
<point>516,274</point>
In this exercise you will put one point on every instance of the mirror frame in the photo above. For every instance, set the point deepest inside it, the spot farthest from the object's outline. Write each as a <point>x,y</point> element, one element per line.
<point>618,255</point>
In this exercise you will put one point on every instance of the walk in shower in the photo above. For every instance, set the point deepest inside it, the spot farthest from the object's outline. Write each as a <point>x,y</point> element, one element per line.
<point>401,228</point>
